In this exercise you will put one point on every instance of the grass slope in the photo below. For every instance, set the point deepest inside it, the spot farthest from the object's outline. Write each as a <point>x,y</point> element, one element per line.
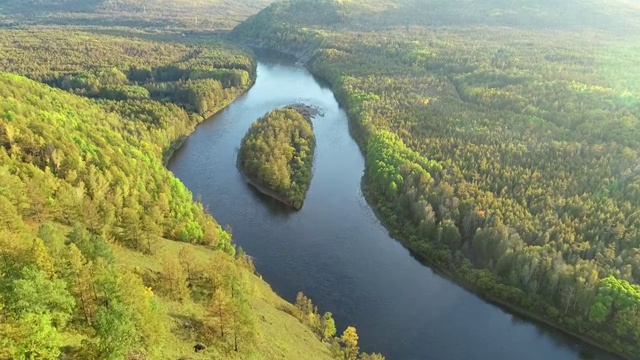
<point>283,335</point>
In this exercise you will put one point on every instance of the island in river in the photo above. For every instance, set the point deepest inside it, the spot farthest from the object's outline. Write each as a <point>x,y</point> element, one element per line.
<point>276,154</point>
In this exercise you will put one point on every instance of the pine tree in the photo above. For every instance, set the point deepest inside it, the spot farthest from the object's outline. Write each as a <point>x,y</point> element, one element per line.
<point>218,317</point>
<point>187,258</point>
<point>78,274</point>
<point>173,280</point>
<point>328,327</point>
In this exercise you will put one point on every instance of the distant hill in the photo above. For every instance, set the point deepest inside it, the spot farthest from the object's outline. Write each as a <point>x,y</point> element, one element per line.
<point>520,13</point>
<point>362,14</point>
<point>196,14</point>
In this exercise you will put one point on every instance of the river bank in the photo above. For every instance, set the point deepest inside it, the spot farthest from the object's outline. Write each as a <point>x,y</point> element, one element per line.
<point>176,144</point>
<point>450,272</point>
<point>268,191</point>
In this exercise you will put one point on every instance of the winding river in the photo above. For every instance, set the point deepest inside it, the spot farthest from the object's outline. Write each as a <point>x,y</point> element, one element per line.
<point>336,251</point>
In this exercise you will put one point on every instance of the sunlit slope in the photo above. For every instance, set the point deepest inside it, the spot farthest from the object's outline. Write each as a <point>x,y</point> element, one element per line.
<point>86,269</point>
<point>282,336</point>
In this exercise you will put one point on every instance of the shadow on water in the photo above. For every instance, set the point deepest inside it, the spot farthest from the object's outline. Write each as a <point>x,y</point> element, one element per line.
<point>275,207</point>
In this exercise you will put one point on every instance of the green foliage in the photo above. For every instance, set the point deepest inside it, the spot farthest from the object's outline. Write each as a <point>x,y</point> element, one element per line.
<point>277,154</point>
<point>327,327</point>
<point>83,191</point>
<point>230,321</point>
<point>66,148</point>
<point>38,309</point>
<point>116,331</point>
<point>141,79</point>
<point>71,171</point>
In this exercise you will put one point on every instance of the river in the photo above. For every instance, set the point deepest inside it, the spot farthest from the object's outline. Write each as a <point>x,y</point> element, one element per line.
<point>336,251</point>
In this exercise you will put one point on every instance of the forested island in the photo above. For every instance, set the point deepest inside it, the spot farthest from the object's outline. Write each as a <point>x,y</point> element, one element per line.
<point>500,142</point>
<point>276,154</point>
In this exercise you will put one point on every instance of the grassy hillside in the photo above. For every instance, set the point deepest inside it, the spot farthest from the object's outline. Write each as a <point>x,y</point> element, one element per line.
<point>194,14</point>
<point>501,149</point>
<point>282,336</point>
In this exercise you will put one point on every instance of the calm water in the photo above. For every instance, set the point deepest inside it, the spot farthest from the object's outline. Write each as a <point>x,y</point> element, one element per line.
<point>336,251</point>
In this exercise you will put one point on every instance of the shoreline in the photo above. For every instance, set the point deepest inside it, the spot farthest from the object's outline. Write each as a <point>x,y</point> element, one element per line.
<point>303,58</point>
<point>486,296</point>
<point>176,144</point>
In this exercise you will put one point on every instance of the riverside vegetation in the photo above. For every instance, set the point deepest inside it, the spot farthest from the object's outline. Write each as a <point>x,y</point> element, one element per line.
<point>163,88</point>
<point>92,221</point>
<point>502,148</point>
<point>276,155</point>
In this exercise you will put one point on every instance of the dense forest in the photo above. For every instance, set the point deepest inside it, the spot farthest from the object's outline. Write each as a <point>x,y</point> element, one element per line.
<point>104,254</point>
<point>276,155</point>
<point>506,157</point>
<point>163,88</point>
<point>72,186</point>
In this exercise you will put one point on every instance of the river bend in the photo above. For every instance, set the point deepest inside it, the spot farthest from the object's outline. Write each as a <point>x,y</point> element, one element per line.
<point>336,251</point>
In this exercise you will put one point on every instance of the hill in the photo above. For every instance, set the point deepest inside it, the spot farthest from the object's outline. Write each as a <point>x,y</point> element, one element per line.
<point>87,269</point>
<point>164,87</point>
<point>618,15</point>
<point>501,149</point>
<point>194,14</point>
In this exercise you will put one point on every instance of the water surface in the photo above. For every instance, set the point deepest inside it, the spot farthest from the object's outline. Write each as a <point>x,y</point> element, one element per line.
<point>336,251</point>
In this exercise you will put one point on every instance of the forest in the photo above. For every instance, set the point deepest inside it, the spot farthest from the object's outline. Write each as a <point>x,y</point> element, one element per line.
<point>505,157</point>
<point>104,254</point>
<point>72,185</point>
<point>276,154</point>
<point>164,88</point>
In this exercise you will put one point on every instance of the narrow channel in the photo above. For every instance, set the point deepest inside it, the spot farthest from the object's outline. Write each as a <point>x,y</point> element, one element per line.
<point>336,251</point>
